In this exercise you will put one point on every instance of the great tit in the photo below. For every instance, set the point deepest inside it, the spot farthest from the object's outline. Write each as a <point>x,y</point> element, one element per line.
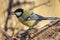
<point>29,18</point>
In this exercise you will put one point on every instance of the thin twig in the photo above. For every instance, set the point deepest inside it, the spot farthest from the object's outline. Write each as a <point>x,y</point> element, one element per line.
<point>9,12</point>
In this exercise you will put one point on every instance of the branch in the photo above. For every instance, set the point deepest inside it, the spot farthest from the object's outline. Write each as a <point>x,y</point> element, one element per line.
<point>21,3</point>
<point>40,5</point>
<point>9,13</point>
<point>46,27</point>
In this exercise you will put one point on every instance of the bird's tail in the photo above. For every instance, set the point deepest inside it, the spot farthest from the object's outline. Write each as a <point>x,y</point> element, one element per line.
<point>51,18</point>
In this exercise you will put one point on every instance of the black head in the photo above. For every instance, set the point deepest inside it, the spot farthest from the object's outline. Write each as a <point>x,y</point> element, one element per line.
<point>18,12</point>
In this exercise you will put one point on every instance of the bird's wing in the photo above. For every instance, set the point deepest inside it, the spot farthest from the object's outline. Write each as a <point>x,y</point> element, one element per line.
<point>34,16</point>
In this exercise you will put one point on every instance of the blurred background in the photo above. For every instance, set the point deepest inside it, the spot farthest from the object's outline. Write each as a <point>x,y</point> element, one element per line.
<point>47,8</point>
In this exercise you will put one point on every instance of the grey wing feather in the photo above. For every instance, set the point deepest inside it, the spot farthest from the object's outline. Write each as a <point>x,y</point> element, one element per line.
<point>36,17</point>
<point>39,18</point>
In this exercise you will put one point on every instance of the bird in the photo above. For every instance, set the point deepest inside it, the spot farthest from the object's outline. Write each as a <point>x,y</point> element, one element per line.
<point>30,19</point>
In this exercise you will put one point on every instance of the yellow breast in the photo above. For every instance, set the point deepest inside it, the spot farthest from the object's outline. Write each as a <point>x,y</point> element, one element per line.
<point>27,23</point>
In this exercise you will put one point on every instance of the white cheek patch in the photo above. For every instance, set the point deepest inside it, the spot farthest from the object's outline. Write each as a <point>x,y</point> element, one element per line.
<point>18,13</point>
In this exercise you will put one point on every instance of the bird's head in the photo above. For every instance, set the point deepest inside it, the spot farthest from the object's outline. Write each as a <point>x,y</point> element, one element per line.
<point>18,12</point>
